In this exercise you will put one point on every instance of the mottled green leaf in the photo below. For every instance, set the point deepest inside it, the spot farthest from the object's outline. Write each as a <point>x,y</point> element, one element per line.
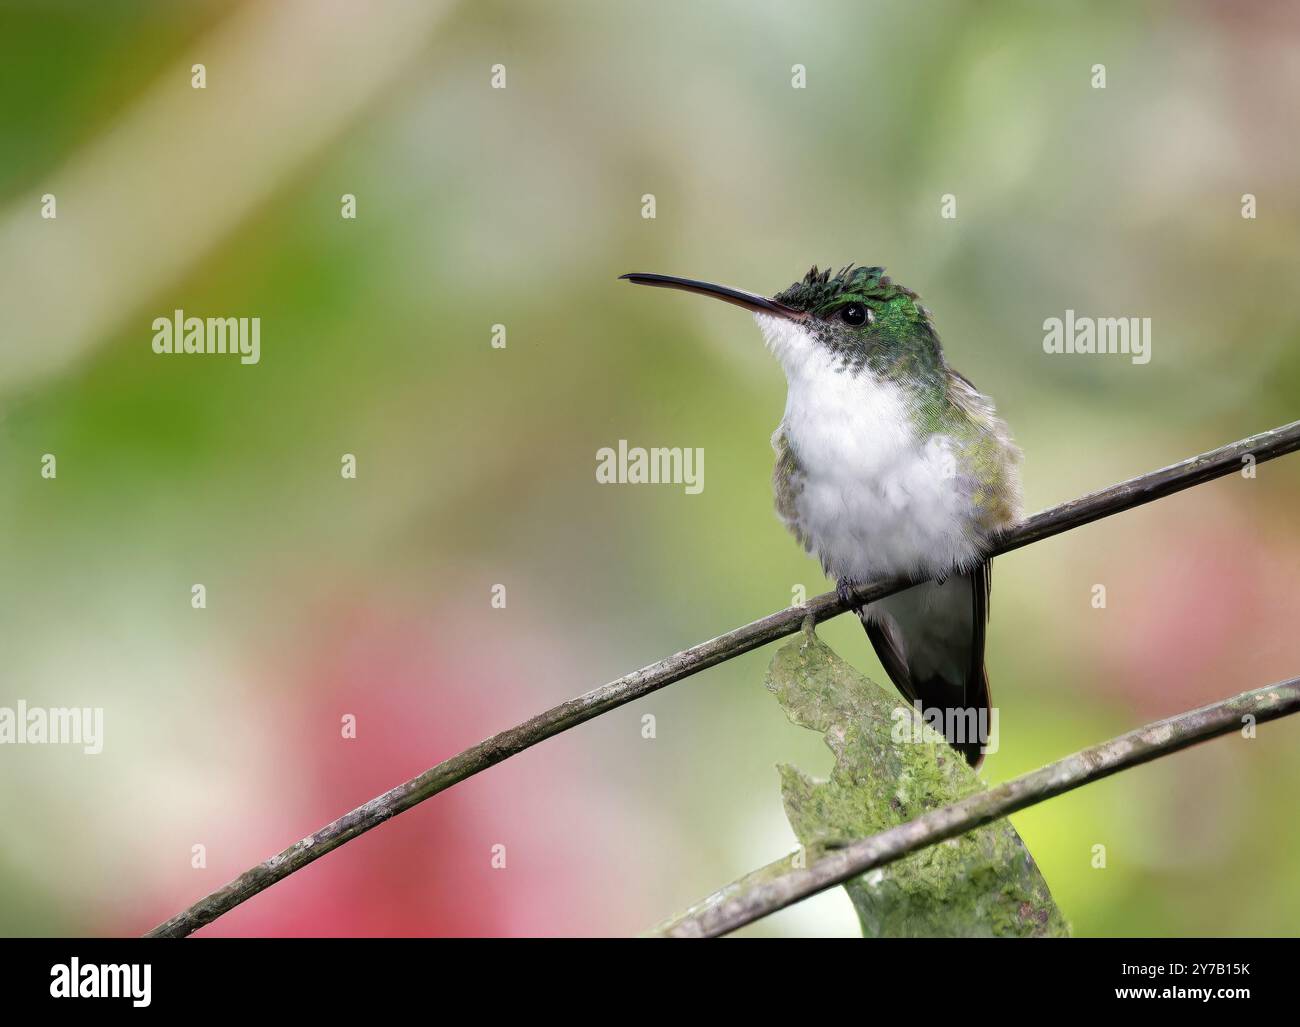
<point>979,884</point>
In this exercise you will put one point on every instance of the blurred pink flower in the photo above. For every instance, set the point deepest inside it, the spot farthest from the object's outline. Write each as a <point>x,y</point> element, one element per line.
<point>1202,612</point>
<point>419,694</point>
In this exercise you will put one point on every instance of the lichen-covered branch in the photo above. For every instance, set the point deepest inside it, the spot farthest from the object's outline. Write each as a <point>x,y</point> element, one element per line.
<point>639,683</point>
<point>752,898</point>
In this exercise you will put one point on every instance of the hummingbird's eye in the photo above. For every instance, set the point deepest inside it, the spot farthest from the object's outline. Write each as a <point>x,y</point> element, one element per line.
<point>855,314</point>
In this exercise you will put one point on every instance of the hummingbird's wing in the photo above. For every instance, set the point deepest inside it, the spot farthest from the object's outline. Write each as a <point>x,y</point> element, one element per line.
<point>930,640</point>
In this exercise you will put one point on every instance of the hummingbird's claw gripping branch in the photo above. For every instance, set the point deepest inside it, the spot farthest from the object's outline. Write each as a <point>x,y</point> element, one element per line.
<point>844,589</point>
<point>1115,499</point>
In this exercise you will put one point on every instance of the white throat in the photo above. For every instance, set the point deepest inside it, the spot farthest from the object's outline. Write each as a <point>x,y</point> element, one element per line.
<point>875,497</point>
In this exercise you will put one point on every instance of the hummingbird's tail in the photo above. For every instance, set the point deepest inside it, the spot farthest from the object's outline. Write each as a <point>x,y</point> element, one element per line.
<point>930,640</point>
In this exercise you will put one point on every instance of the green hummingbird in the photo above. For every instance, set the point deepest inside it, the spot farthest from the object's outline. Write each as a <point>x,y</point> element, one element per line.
<point>889,464</point>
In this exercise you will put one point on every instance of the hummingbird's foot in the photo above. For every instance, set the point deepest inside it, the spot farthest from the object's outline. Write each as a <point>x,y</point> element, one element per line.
<point>844,589</point>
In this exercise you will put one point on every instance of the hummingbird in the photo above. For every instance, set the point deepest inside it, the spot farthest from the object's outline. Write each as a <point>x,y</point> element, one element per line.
<point>889,464</point>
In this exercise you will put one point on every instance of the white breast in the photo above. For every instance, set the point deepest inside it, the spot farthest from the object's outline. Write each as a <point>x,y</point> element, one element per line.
<point>876,499</point>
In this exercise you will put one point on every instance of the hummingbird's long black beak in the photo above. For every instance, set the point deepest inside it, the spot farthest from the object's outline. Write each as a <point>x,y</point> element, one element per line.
<point>748,300</point>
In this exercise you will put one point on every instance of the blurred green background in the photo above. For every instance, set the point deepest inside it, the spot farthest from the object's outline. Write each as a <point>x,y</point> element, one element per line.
<point>521,206</point>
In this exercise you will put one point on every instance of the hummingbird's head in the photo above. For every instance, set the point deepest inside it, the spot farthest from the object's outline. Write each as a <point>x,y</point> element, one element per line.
<point>857,314</point>
<point>854,318</point>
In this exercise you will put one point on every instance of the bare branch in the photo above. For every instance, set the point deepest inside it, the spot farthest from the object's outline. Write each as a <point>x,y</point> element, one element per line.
<point>639,683</point>
<point>765,892</point>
